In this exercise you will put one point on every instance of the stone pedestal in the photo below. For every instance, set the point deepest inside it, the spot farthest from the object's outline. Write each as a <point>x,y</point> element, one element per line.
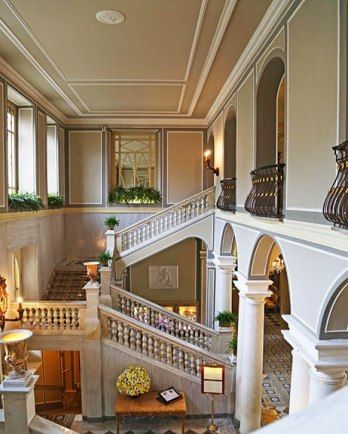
<point>19,405</point>
<point>105,278</point>
<point>110,241</point>
<point>299,382</point>
<point>324,383</point>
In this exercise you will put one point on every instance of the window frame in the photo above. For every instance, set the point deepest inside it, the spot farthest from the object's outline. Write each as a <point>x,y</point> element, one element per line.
<point>11,107</point>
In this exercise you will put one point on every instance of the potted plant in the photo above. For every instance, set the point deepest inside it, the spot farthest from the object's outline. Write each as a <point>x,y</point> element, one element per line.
<point>104,258</point>
<point>232,347</point>
<point>55,201</point>
<point>110,222</point>
<point>139,195</point>
<point>25,202</point>
<point>133,381</point>
<point>226,318</point>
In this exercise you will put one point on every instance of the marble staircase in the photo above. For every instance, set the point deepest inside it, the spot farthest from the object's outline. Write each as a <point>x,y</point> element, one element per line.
<point>66,284</point>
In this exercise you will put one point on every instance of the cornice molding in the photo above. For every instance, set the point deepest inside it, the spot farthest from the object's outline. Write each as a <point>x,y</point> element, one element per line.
<point>271,19</point>
<point>139,121</point>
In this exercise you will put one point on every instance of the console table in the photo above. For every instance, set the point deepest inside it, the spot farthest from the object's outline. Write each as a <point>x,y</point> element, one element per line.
<point>147,405</point>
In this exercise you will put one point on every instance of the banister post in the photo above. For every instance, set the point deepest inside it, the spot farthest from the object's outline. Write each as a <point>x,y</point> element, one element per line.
<point>91,367</point>
<point>105,280</point>
<point>110,241</point>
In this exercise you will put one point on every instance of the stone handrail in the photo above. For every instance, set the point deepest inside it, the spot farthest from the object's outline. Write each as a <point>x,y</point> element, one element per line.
<point>153,343</point>
<point>160,318</point>
<point>165,220</point>
<point>52,316</point>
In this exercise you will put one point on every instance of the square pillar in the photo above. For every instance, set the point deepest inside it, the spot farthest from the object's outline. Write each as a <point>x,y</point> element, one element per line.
<point>105,279</point>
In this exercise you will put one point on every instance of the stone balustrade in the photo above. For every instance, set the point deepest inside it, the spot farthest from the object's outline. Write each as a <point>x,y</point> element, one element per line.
<point>154,344</point>
<point>43,316</point>
<point>165,220</point>
<point>160,318</point>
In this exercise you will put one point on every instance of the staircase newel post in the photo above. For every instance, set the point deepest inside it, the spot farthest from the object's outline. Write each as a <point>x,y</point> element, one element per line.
<point>105,280</point>
<point>110,241</point>
<point>91,367</point>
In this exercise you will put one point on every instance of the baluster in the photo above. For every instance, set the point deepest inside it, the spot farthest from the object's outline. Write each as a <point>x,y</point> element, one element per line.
<point>55,318</point>
<point>113,331</point>
<point>169,360</point>
<point>120,333</point>
<point>132,339</point>
<point>138,341</point>
<point>175,357</point>
<point>150,346</point>
<point>201,343</point>
<point>49,318</point>
<point>128,307</point>
<point>196,339</point>
<point>144,343</point>
<point>193,364</point>
<point>186,363</point>
<point>25,319</point>
<point>42,324</point>
<point>36,318</point>
<point>152,318</point>
<point>156,349</point>
<point>75,319</point>
<point>181,360</point>
<point>198,366</point>
<point>163,352</point>
<point>126,336</point>
<point>208,343</point>
<point>132,306</point>
<point>123,305</point>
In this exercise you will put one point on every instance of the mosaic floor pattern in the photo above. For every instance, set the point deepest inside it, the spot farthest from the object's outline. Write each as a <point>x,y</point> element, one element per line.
<point>276,366</point>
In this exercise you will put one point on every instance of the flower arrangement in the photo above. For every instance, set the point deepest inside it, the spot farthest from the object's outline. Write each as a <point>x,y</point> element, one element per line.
<point>133,381</point>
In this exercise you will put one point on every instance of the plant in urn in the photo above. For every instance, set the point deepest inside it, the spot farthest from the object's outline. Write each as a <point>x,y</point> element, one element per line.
<point>15,342</point>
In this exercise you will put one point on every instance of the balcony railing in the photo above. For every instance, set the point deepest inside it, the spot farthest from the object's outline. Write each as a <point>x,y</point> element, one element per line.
<point>227,198</point>
<point>266,196</point>
<point>335,207</point>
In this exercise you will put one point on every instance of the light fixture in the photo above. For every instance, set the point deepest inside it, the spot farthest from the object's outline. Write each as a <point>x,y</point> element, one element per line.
<point>92,270</point>
<point>213,382</point>
<point>4,305</point>
<point>110,16</point>
<point>207,165</point>
<point>15,342</point>
<point>278,264</point>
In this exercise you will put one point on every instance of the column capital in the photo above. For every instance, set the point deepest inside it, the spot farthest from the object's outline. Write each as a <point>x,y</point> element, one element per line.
<point>225,262</point>
<point>328,377</point>
<point>253,289</point>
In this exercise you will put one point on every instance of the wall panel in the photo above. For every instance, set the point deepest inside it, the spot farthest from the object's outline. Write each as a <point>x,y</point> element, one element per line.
<point>62,161</point>
<point>85,168</point>
<point>184,164</point>
<point>41,145</point>
<point>3,171</point>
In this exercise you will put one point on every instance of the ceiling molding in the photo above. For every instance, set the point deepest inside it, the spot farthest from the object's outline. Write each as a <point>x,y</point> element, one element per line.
<point>136,122</point>
<point>213,49</point>
<point>271,19</point>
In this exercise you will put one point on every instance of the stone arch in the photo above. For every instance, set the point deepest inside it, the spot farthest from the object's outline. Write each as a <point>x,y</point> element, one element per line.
<point>267,109</point>
<point>228,241</point>
<point>230,143</point>
<point>333,317</point>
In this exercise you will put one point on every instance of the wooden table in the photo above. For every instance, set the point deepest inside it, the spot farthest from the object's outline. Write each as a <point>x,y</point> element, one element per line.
<point>147,405</point>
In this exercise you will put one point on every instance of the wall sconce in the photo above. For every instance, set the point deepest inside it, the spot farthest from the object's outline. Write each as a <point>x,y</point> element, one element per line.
<point>213,382</point>
<point>278,264</point>
<point>207,165</point>
<point>4,305</point>
<point>92,270</point>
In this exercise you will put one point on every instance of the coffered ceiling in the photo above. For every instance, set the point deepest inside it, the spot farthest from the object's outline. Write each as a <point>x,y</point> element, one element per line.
<point>169,58</point>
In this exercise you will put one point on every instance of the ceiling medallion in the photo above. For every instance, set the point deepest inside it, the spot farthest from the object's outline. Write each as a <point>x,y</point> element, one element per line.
<point>109,16</point>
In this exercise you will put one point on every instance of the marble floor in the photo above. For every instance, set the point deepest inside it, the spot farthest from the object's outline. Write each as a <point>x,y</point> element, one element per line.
<point>141,425</point>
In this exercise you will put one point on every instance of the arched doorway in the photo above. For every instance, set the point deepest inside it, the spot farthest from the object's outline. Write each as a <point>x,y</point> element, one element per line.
<point>229,248</point>
<point>208,176</point>
<point>230,144</point>
<point>270,114</point>
<point>268,262</point>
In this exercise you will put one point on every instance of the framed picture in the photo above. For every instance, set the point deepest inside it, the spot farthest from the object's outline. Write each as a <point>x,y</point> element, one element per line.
<point>163,277</point>
<point>213,379</point>
<point>169,395</point>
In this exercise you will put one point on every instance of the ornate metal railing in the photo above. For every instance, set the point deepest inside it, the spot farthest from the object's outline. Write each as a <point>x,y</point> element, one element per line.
<point>165,221</point>
<point>227,198</point>
<point>160,318</point>
<point>155,344</point>
<point>266,196</point>
<point>335,207</point>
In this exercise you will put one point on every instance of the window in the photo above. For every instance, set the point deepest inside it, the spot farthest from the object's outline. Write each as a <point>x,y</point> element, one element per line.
<point>135,159</point>
<point>52,158</point>
<point>12,147</point>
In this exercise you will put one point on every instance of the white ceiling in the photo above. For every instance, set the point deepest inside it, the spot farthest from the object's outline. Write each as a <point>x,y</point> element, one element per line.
<point>157,63</point>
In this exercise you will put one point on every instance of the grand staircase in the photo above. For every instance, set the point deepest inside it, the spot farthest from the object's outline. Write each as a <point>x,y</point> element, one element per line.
<point>66,283</point>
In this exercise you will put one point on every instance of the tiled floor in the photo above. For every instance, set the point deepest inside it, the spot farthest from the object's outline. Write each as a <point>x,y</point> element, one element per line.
<point>152,426</point>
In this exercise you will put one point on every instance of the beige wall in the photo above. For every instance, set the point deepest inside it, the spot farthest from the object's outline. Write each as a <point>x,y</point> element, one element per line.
<point>62,171</point>
<point>184,255</point>
<point>41,156</point>
<point>312,97</point>
<point>3,180</point>
<point>85,167</point>
<point>184,164</point>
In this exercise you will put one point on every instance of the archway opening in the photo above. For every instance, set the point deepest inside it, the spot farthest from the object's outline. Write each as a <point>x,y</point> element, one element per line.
<point>270,114</point>
<point>229,247</point>
<point>268,262</point>
<point>334,324</point>
<point>230,144</point>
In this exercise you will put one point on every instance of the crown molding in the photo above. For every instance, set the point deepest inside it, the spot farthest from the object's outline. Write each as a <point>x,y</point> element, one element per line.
<point>29,91</point>
<point>135,122</point>
<point>271,19</point>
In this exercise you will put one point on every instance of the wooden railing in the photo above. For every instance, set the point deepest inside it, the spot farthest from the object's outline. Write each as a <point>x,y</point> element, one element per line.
<point>53,316</point>
<point>165,220</point>
<point>153,343</point>
<point>266,196</point>
<point>227,198</point>
<point>158,317</point>
<point>335,207</point>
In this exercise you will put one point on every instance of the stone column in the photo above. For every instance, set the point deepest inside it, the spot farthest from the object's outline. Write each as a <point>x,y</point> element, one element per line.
<point>299,382</point>
<point>91,363</point>
<point>225,266</point>
<point>239,370</point>
<point>105,278</point>
<point>251,382</point>
<point>19,406</point>
<point>110,241</point>
<point>210,291</point>
<point>322,383</point>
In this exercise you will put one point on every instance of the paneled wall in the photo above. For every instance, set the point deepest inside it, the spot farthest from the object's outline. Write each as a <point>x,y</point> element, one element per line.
<point>85,168</point>
<point>41,144</point>
<point>3,171</point>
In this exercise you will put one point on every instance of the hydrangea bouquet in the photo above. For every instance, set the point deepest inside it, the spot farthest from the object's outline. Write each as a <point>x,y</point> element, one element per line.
<point>133,381</point>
